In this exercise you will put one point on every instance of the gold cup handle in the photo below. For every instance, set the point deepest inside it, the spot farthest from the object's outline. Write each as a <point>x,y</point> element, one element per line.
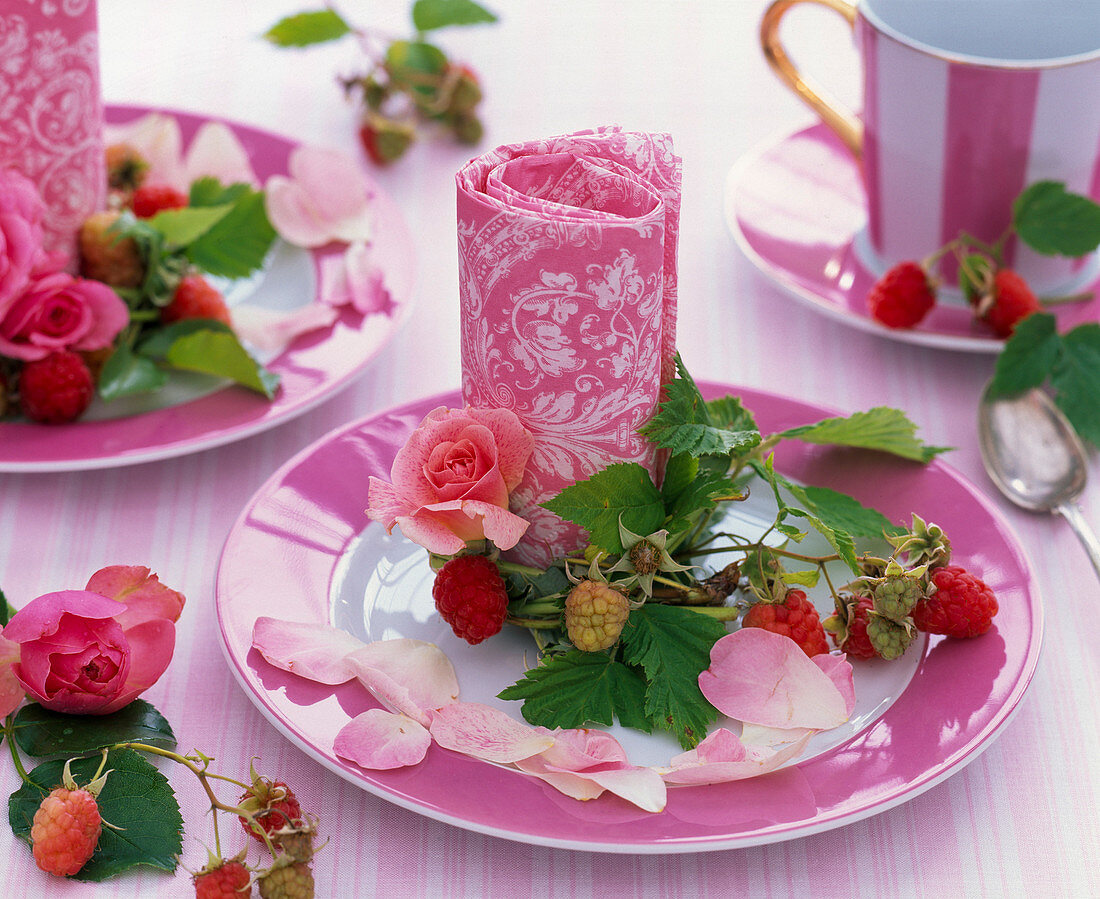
<point>844,122</point>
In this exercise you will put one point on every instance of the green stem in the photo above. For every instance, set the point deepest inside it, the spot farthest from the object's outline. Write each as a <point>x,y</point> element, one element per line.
<point>722,613</point>
<point>537,624</point>
<point>9,733</point>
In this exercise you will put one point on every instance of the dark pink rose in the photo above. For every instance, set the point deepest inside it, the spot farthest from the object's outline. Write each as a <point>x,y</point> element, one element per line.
<point>89,652</point>
<point>21,212</point>
<point>452,480</point>
<point>57,312</point>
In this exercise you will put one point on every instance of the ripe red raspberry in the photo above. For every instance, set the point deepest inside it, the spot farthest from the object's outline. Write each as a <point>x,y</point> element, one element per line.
<point>595,614</point>
<point>273,806</point>
<point>287,881</point>
<point>848,626</point>
<point>56,389</point>
<point>385,140</point>
<point>471,597</point>
<point>1012,302</point>
<point>223,879</point>
<point>65,831</point>
<point>195,297</point>
<point>961,606</point>
<point>149,199</point>
<point>901,297</point>
<point>794,617</point>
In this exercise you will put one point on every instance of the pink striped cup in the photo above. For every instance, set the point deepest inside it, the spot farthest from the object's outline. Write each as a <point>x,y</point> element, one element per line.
<point>965,103</point>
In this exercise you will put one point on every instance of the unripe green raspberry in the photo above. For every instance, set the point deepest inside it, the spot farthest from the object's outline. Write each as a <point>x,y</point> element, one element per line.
<point>594,615</point>
<point>889,638</point>
<point>896,597</point>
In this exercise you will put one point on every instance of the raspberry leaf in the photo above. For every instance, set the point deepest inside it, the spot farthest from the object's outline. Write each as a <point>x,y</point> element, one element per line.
<point>576,688</point>
<point>125,373</point>
<point>839,510</point>
<point>181,227</point>
<point>672,645</point>
<point>211,348</point>
<point>1028,356</point>
<point>882,428</point>
<point>427,15</point>
<point>308,28</point>
<point>237,243</point>
<point>1053,221</point>
<point>1076,380</point>
<point>136,798</point>
<point>624,490</point>
<point>40,732</point>
<point>6,610</point>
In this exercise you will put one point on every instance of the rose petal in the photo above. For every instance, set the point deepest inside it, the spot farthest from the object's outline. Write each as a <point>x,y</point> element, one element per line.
<point>338,189</point>
<point>216,152</point>
<point>409,676</point>
<point>445,527</point>
<point>151,646</point>
<point>11,691</point>
<point>271,331</point>
<point>722,757</point>
<point>351,278</point>
<point>316,652</point>
<point>486,733</point>
<point>41,615</point>
<point>839,671</point>
<point>765,678</point>
<point>293,214</point>
<point>381,740</point>
<point>146,598</point>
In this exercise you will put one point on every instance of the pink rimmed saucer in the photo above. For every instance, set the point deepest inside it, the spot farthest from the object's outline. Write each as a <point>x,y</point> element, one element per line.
<point>797,208</point>
<point>304,538</point>
<point>197,413</point>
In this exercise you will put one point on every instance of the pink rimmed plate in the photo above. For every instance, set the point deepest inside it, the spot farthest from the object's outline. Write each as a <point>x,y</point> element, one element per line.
<point>303,550</point>
<point>196,413</point>
<point>797,208</point>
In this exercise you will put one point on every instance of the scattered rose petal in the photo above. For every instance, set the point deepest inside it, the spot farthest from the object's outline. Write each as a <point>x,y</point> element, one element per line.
<point>722,757</point>
<point>145,596</point>
<point>351,278</point>
<point>317,652</point>
<point>381,740</point>
<point>486,733</point>
<point>409,676</point>
<point>765,678</point>
<point>271,332</point>
<point>11,691</point>
<point>325,198</point>
<point>771,737</point>
<point>839,670</point>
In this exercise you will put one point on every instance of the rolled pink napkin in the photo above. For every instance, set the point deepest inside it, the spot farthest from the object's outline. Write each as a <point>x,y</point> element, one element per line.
<point>567,279</point>
<point>52,111</point>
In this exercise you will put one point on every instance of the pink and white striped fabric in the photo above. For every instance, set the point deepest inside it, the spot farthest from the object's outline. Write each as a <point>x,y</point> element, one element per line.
<point>949,144</point>
<point>567,279</point>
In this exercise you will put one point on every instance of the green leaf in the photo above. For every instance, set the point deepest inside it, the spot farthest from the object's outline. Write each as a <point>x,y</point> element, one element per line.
<point>840,511</point>
<point>882,428</point>
<point>730,413</point>
<point>238,243</point>
<point>704,492</point>
<point>307,28</point>
<point>427,15</point>
<point>137,799</point>
<point>595,504</point>
<point>416,66</point>
<point>7,610</point>
<point>210,347</point>
<point>209,191</point>
<point>578,688</point>
<point>40,732</point>
<point>1076,380</point>
<point>1053,221</point>
<point>1028,356</point>
<point>125,373</point>
<point>181,227</point>
<point>672,645</point>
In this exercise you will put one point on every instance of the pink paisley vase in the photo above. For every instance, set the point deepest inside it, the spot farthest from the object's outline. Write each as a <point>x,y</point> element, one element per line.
<point>51,109</point>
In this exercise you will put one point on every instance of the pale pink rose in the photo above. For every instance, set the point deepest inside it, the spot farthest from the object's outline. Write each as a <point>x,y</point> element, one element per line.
<point>82,652</point>
<point>59,312</point>
<point>453,478</point>
<point>21,212</point>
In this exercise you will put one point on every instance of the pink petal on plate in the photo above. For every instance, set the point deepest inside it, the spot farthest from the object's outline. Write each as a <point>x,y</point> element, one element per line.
<point>381,740</point>
<point>352,279</point>
<point>772,737</point>
<point>271,332</point>
<point>316,652</point>
<point>337,188</point>
<point>721,757</point>
<point>217,152</point>
<point>765,678</point>
<point>11,691</point>
<point>145,596</point>
<point>486,733</point>
<point>158,139</point>
<point>293,214</point>
<point>408,676</point>
<point>839,670</point>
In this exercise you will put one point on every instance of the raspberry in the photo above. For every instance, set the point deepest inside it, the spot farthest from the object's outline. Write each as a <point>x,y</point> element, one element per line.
<point>794,617</point>
<point>896,596</point>
<point>273,806</point>
<point>126,167</point>
<point>889,638</point>
<point>195,297</point>
<point>56,389</point>
<point>901,297</point>
<point>223,879</point>
<point>385,139</point>
<point>149,199</point>
<point>466,93</point>
<point>962,605</point>
<point>595,614</point>
<point>1012,301</point>
<point>107,257</point>
<point>471,597</point>
<point>65,831</point>
<point>848,626</point>
<point>287,881</point>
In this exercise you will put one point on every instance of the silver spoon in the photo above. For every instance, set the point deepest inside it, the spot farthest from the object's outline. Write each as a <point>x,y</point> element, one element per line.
<point>1036,459</point>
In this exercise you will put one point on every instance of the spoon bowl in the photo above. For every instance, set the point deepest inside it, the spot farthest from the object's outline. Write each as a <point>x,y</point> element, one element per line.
<point>1036,459</point>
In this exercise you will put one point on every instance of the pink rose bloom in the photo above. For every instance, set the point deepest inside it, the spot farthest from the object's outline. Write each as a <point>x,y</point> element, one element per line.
<point>21,212</point>
<point>57,312</point>
<point>452,479</point>
<point>92,651</point>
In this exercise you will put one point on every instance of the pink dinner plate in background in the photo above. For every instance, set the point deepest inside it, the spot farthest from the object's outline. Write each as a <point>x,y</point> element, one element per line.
<point>205,414</point>
<point>303,550</point>
<point>797,208</point>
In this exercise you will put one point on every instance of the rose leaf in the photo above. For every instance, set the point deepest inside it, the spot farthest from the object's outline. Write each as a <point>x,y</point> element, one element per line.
<point>41,732</point>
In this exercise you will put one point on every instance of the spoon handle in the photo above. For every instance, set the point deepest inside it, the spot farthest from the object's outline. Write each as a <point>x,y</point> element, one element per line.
<point>1076,518</point>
